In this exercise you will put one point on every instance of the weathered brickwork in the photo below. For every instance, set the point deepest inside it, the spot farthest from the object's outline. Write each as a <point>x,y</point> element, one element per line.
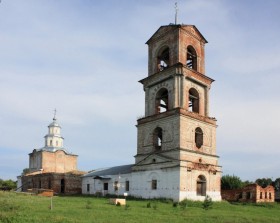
<point>66,183</point>
<point>57,162</point>
<point>250,193</point>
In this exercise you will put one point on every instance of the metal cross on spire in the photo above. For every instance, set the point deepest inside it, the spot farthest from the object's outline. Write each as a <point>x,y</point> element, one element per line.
<point>54,118</point>
<point>176,13</point>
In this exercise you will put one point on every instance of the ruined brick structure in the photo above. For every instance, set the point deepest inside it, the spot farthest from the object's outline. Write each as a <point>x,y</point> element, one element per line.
<point>52,167</point>
<point>176,139</point>
<point>250,193</point>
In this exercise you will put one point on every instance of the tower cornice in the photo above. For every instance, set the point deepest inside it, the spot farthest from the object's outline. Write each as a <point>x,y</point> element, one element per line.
<point>177,111</point>
<point>177,69</point>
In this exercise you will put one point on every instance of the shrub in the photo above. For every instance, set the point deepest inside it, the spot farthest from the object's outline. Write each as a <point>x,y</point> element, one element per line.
<point>208,203</point>
<point>88,205</point>
<point>149,205</point>
<point>118,204</point>
<point>154,206</point>
<point>175,204</point>
<point>183,204</point>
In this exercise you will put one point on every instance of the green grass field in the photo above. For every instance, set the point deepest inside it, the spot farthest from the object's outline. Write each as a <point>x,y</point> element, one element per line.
<point>26,208</point>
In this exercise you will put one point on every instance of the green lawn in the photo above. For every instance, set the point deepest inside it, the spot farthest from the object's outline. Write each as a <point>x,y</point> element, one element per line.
<point>26,208</point>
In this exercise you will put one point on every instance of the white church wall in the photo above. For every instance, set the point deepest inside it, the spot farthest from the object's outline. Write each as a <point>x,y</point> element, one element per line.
<point>167,184</point>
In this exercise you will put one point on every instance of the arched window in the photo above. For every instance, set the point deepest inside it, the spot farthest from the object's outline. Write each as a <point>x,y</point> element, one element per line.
<point>162,101</point>
<point>191,58</point>
<point>198,137</point>
<point>157,137</point>
<point>201,186</point>
<point>163,59</point>
<point>193,100</point>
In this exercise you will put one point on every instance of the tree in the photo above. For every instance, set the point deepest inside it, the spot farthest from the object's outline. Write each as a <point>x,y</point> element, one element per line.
<point>231,182</point>
<point>276,184</point>
<point>263,182</point>
<point>8,185</point>
<point>25,171</point>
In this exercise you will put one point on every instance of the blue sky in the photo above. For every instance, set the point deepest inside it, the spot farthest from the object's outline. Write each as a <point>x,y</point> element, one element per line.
<point>85,58</point>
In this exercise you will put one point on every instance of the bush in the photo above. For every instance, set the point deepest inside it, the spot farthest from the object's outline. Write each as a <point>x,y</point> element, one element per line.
<point>175,204</point>
<point>208,203</point>
<point>155,206</point>
<point>183,204</point>
<point>149,205</point>
<point>88,205</point>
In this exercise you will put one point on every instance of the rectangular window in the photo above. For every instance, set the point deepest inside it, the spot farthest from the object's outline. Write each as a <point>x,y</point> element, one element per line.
<point>269,195</point>
<point>260,195</point>
<point>154,184</point>
<point>265,195</point>
<point>105,186</point>
<point>88,187</point>
<point>127,185</point>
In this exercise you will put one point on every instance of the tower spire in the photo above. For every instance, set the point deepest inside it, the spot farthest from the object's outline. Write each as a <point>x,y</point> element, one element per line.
<point>176,13</point>
<point>54,116</point>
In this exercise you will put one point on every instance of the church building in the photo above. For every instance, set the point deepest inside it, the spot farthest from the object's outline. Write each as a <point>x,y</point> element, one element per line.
<point>52,167</point>
<point>176,139</point>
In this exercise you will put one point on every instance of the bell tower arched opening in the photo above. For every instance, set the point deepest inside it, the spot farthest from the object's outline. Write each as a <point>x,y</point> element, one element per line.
<point>162,101</point>
<point>193,100</point>
<point>157,137</point>
<point>191,58</point>
<point>163,59</point>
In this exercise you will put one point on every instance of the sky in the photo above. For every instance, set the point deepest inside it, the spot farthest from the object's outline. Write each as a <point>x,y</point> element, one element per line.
<point>85,58</point>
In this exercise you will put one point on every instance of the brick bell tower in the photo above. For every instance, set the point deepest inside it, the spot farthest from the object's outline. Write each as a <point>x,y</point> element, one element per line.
<point>176,138</point>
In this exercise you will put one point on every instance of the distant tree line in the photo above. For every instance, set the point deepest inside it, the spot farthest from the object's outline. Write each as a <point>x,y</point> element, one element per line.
<point>229,182</point>
<point>8,185</point>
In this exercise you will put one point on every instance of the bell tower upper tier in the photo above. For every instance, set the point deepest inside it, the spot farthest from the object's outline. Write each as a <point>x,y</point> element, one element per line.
<point>174,44</point>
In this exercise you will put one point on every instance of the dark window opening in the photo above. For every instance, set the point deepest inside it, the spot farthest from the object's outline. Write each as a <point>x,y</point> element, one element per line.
<point>88,187</point>
<point>198,137</point>
<point>162,101</point>
<point>62,186</point>
<point>191,58</point>
<point>248,195</point>
<point>158,139</point>
<point>154,184</point>
<point>240,196</point>
<point>269,195</point>
<point>260,195</point>
<point>201,186</point>
<point>127,185</point>
<point>105,186</point>
<point>163,59</point>
<point>49,184</point>
<point>265,195</point>
<point>193,100</point>
<point>40,184</point>
<point>116,185</point>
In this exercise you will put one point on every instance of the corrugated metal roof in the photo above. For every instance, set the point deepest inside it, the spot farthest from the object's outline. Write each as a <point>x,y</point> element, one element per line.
<point>110,171</point>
